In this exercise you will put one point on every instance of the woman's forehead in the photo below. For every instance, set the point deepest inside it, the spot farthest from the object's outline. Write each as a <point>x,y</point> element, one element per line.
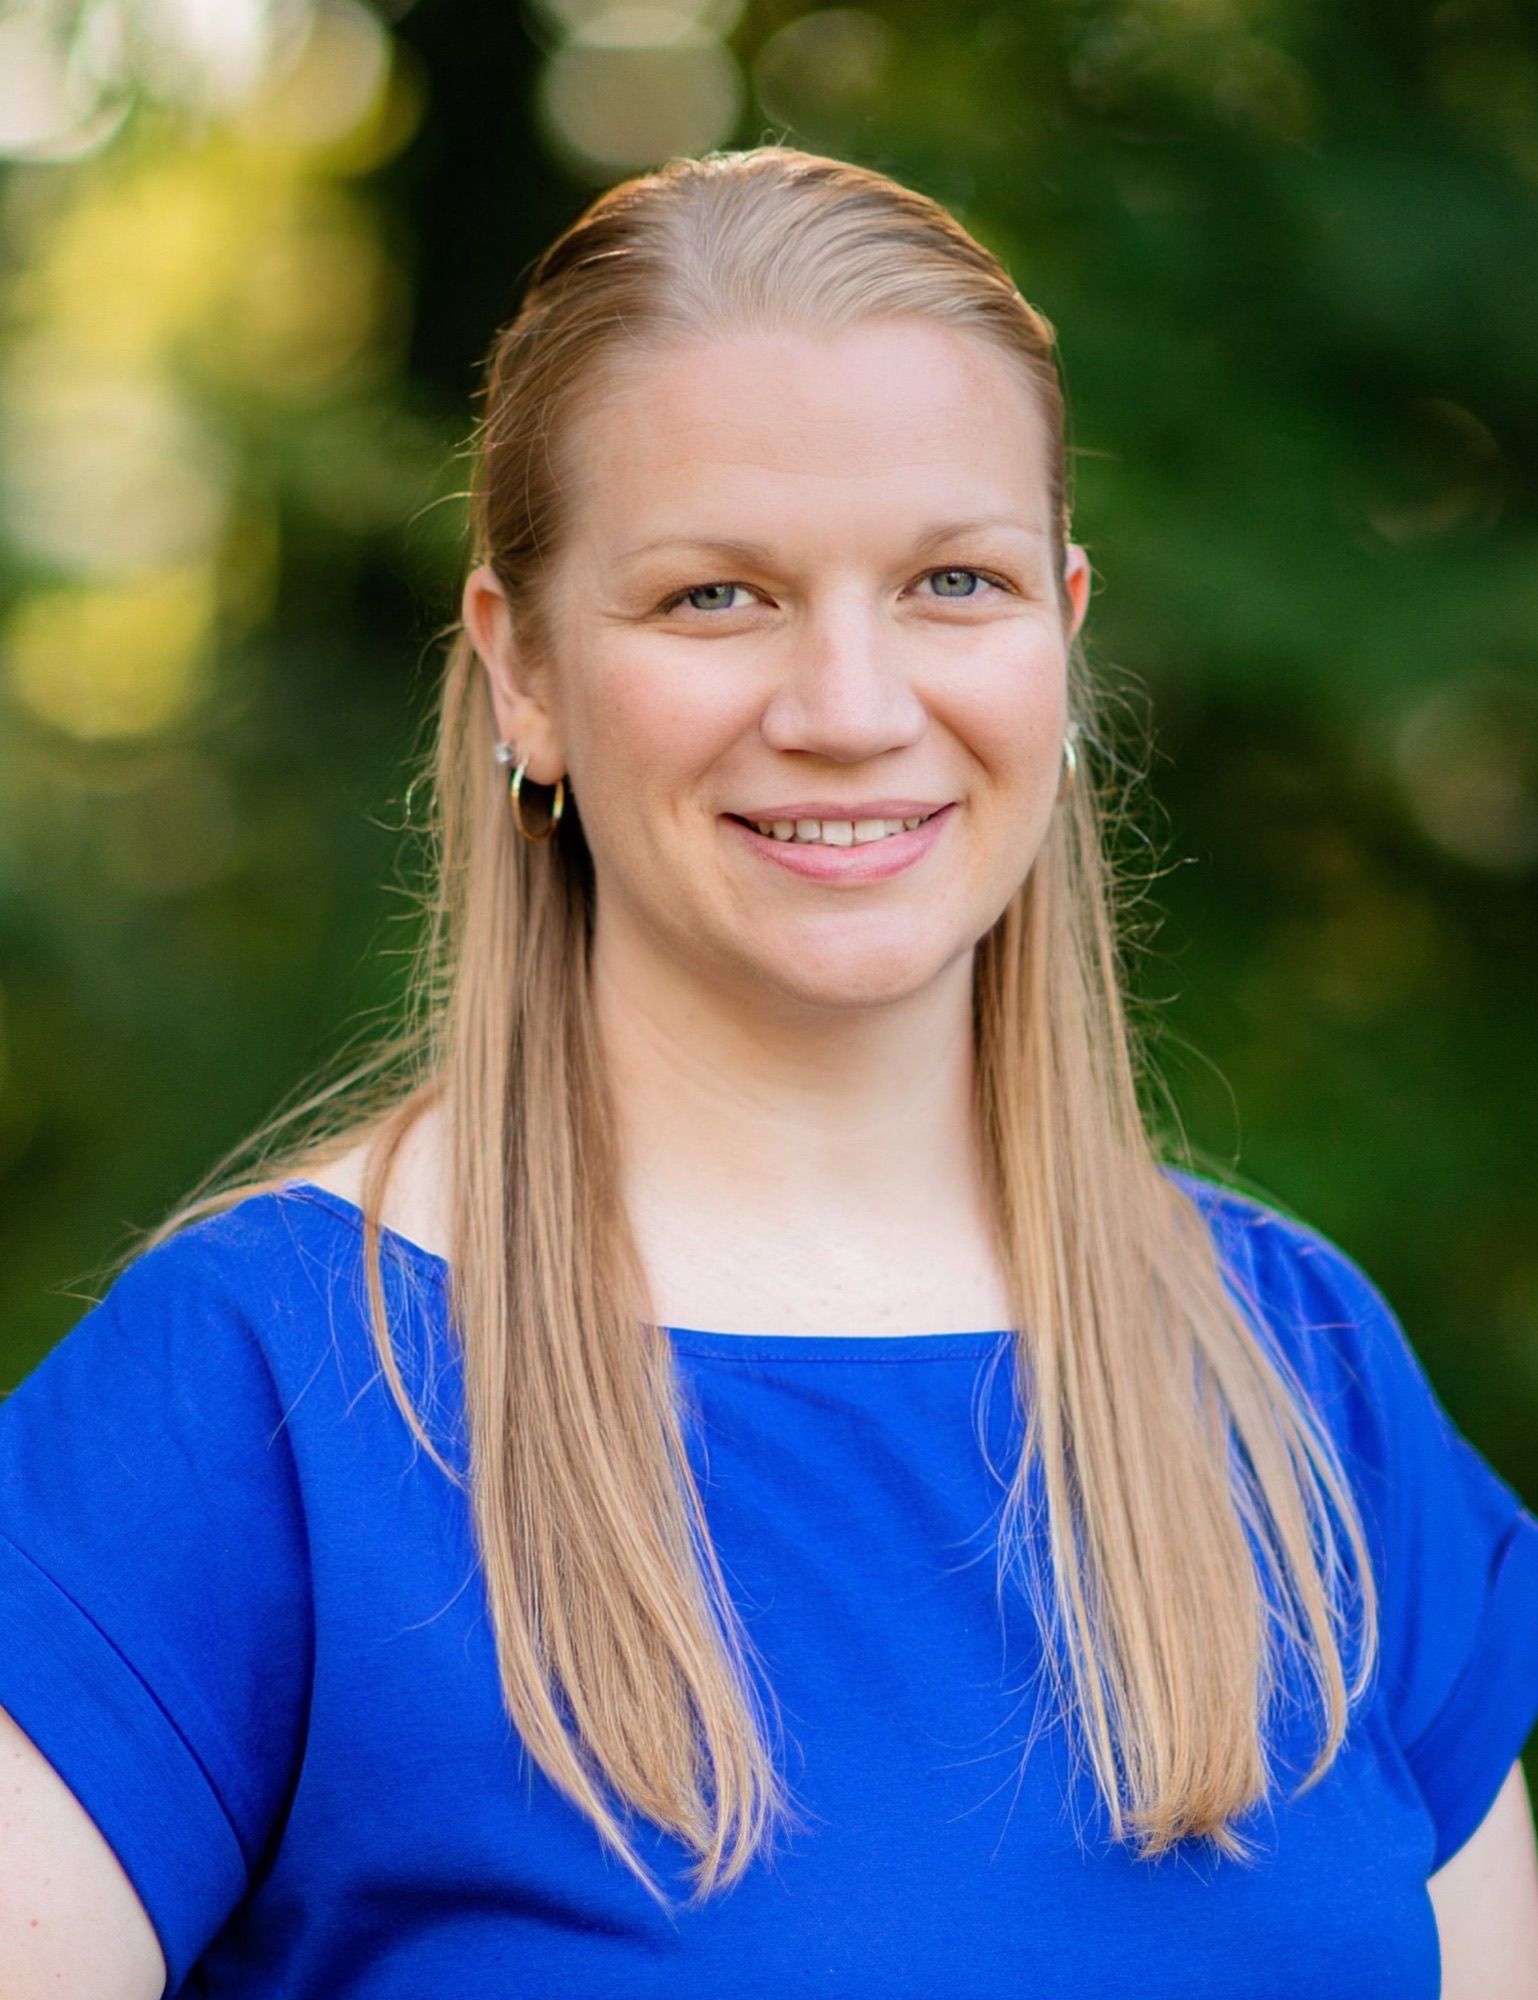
<point>783,418</point>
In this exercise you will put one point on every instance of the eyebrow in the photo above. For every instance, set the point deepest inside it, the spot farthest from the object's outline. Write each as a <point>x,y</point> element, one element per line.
<point>755,552</point>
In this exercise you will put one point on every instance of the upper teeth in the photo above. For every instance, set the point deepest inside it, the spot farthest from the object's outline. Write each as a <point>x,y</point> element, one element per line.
<point>835,832</point>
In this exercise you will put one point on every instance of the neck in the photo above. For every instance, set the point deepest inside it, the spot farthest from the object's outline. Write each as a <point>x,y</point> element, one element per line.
<point>795,1121</point>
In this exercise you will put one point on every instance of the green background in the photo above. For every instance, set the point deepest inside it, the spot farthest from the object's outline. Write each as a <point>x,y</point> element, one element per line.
<point>1291,253</point>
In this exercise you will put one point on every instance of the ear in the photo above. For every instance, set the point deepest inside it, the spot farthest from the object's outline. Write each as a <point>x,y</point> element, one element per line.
<point>1076,581</point>
<point>523,716</point>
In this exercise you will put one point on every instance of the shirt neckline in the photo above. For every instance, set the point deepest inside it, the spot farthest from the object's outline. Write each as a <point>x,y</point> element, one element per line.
<point>797,1347</point>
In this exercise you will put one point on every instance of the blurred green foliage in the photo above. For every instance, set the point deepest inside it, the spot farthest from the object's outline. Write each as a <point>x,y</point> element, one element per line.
<point>1291,253</point>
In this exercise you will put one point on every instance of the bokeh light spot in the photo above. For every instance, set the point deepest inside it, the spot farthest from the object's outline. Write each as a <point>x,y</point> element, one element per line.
<point>821,74</point>
<point>209,53</point>
<point>311,298</point>
<point>639,85</point>
<point>332,86</point>
<point>101,474</point>
<point>1468,762</point>
<point>51,109</point>
<point>580,17</point>
<point>124,660</point>
<point>1441,469</point>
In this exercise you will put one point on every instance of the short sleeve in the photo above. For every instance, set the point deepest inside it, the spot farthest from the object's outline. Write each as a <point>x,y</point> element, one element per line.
<point>1455,1550</point>
<point>154,1587</point>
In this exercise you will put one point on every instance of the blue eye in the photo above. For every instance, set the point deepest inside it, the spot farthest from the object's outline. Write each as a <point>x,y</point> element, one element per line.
<point>718,596</point>
<point>969,578</point>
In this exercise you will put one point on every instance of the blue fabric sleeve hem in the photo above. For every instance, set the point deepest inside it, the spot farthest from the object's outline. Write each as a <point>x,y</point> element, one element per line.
<point>68,1688</point>
<point>1462,1760</point>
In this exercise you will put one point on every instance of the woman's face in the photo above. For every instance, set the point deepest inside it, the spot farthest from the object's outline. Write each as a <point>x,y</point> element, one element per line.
<point>807,590</point>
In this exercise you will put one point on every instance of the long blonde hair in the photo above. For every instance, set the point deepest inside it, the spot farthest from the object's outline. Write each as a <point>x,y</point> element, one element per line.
<point>1184,1471</point>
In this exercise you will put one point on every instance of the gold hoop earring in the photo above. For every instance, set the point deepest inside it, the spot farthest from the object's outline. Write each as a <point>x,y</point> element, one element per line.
<point>557,804</point>
<point>506,753</point>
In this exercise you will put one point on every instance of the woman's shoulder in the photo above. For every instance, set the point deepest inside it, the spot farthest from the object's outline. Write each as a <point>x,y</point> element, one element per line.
<point>292,1239</point>
<point>268,1293</point>
<point>412,1205</point>
<point>1454,1548</point>
<point>1314,1305</point>
<point>164,1474</point>
<point>276,1249</point>
<point>1290,1263</point>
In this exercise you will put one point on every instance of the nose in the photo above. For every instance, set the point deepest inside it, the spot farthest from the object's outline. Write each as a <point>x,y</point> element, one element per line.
<point>844,693</point>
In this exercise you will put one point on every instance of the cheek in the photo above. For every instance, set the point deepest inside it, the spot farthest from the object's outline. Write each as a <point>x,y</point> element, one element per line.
<point>1010,709</point>
<point>639,729</point>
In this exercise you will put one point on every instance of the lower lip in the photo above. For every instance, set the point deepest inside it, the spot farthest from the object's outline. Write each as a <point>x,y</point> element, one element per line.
<point>870,861</point>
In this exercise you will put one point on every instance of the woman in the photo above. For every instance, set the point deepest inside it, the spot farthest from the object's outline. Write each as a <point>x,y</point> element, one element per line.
<point>590,1519</point>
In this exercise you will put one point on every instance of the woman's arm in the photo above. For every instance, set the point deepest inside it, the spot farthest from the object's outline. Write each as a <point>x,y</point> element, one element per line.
<point>71,1926</point>
<point>1486,1901</point>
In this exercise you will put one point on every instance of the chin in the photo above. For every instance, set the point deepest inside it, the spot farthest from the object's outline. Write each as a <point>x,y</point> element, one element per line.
<point>844,974</point>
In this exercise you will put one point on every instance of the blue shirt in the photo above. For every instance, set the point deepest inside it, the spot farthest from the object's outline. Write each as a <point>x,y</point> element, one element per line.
<point>243,1619</point>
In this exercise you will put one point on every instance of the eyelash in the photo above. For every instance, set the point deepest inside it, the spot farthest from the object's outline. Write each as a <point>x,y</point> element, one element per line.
<point>965,569</point>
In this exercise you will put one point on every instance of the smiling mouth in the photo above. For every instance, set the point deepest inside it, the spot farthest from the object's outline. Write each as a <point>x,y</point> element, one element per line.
<point>832,832</point>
